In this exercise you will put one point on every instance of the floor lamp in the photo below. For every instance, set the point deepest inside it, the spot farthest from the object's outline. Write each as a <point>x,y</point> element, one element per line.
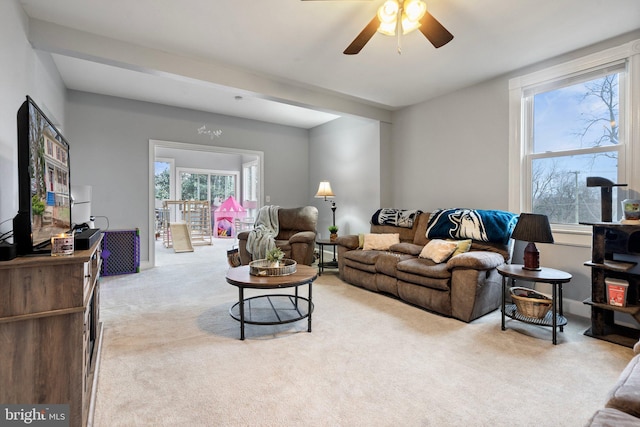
<point>324,191</point>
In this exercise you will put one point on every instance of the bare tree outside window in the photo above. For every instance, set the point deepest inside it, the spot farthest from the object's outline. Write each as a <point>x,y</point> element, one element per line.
<point>575,135</point>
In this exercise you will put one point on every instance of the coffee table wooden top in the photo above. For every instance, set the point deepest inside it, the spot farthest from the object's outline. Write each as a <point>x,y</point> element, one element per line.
<point>240,277</point>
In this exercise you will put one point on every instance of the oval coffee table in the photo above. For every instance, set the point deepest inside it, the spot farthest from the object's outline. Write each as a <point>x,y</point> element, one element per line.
<point>271,309</point>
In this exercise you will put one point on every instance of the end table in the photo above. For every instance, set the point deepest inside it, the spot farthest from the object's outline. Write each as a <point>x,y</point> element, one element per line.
<point>556,278</point>
<point>329,264</point>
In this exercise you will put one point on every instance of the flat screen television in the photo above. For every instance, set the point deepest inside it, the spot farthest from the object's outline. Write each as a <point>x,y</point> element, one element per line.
<point>44,185</point>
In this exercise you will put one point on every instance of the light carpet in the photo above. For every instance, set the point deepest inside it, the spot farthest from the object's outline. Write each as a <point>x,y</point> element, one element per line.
<point>171,357</point>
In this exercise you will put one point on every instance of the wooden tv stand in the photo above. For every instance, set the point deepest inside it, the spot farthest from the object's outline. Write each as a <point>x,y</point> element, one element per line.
<point>50,333</point>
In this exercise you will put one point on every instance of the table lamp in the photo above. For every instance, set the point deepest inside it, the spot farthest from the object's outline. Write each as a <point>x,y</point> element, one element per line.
<point>532,228</point>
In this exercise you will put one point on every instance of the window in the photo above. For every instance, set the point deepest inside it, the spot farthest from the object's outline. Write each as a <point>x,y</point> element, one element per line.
<point>214,186</point>
<point>574,134</point>
<point>570,122</point>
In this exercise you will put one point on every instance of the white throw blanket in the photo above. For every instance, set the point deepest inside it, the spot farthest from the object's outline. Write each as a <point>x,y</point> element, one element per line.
<point>263,237</point>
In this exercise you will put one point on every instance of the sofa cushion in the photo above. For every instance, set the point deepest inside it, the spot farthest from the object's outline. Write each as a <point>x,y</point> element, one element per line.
<point>438,250</point>
<point>420,238</point>
<point>423,281</point>
<point>387,261</point>
<point>625,395</point>
<point>609,417</point>
<point>424,272</point>
<point>476,260</point>
<point>362,260</point>
<point>380,242</point>
<point>406,248</point>
<point>424,267</point>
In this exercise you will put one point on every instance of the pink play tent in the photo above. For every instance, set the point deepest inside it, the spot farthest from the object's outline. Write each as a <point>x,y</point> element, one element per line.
<point>225,216</point>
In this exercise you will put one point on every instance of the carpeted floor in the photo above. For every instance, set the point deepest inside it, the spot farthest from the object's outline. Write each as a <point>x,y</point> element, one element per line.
<point>171,357</point>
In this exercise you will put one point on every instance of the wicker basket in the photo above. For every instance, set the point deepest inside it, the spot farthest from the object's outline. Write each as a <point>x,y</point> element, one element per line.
<point>262,267</point>
<point>530,303</point>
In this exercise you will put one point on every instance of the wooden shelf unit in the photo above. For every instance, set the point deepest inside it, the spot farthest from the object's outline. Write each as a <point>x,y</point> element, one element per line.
<point>50,331</point>
<point>610,239</point>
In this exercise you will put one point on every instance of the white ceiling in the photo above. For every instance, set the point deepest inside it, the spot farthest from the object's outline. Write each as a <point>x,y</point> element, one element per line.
<point>297,45</point>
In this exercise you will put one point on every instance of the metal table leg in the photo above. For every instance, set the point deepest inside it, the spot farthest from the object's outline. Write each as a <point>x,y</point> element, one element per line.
<point>504,299</point>
<point>310,307</point>
<point>241,305</point>
<point>554,311</point>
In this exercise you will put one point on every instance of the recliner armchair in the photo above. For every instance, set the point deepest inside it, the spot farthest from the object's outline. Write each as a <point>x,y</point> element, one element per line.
<point>296,235</point>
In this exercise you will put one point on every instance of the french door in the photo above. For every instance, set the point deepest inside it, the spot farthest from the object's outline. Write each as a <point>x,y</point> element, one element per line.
<point>211,185</point>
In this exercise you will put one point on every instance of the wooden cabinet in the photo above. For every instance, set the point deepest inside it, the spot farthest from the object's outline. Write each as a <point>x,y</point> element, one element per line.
<point>50,332</point>
<point>613,244</point>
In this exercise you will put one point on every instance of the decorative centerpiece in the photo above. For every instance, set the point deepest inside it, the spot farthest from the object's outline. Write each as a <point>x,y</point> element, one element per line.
<point>274,265</point>
<point>333,230</point>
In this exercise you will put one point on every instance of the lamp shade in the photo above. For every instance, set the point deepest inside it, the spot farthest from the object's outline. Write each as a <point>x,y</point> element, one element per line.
<point>324,190</point>
<point>533,228</point>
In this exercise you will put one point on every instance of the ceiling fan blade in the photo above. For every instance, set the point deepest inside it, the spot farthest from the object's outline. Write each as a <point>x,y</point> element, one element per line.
<point>365,35</point>
<point>434,31</point>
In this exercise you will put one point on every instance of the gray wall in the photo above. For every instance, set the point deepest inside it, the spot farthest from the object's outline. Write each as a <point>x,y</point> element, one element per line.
<point>109,140</point>
<point>346,152</point>
<point>452,151</point>
<point>23,72</point>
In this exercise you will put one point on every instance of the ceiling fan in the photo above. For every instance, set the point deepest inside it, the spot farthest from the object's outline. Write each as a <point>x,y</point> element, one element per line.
<point>401,17</point>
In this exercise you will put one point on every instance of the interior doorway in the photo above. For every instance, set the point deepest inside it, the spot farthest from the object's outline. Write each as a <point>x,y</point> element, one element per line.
<point>170,158</point>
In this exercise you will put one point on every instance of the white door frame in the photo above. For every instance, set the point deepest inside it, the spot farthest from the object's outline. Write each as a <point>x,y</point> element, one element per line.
<point>155,143</point>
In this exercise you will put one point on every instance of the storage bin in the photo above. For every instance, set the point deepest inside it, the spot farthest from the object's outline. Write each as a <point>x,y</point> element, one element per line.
<point>616,291</point>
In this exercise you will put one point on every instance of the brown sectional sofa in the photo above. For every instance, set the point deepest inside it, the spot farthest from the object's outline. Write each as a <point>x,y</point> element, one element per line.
<point>465,287</point>
<point>622,408</point>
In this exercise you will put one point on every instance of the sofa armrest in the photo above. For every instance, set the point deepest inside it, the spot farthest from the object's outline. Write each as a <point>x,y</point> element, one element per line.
<point>350,241</point>
<point>476,260</point>
<point>303,237</point>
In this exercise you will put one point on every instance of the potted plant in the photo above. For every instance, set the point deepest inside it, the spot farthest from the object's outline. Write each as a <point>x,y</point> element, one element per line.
<point>333,230</point>
<point>274,256</point>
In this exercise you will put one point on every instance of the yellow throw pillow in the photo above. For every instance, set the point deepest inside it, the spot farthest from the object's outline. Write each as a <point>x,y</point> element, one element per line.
<point>438,250</point>
<point>380,242</point>
<point>463,246</point>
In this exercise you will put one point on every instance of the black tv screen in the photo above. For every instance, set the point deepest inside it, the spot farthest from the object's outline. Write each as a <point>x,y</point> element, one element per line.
<point>44,208</point>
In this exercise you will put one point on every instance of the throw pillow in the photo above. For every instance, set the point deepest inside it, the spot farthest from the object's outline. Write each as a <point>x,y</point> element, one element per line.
<point>463,246</point>
<point>438,250</point>
<point>360,240</point>
<point>380,242</point>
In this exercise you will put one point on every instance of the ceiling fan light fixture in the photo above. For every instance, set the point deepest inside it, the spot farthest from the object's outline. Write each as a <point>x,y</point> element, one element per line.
<point>388,12</point>
<point>408,26</point>
<point>412,13</point>
<point>408,14</point>
<point>388,29</point>
<point>388,17</point>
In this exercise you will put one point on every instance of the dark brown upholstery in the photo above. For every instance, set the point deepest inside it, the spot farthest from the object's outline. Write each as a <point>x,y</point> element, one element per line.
<point>296,235</point>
